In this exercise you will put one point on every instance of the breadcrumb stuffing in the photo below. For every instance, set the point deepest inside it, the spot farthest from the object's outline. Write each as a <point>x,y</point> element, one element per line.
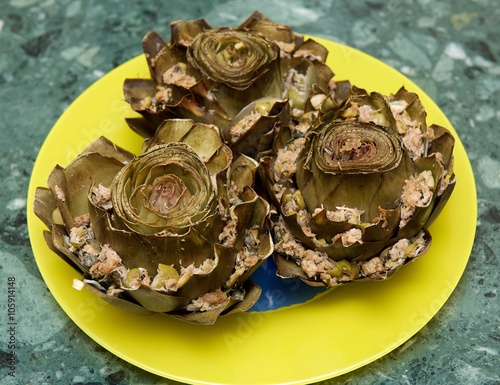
<point>177,75</point>
<point>446,179</point>
<point>398,250</point>
<point>314,263</point>
<point>368,114</point>
<point>166,279</point>
<point>206,267</point>
<point>241,127</point>
<point>285,48</point>
<point>417,192</point>
<point>398,107</point>
<point>208,301</point>
<point>82,220</point>
<point>247,257</point>
<point>233,194</point>
<point>308,54</point>
<point>163,94</point>
<point>59,193</point>
<point>285,165</point>
<point>109,261</point>
<point>101,197</point>
<point>415,139</point>
<point>78,236</point>
<point>380,267</point>
<point>372,266</point>
<point>228,235</point>
<point>352,111</point>
<point>317,101</point>
<point>345,214</point>
<point>349,237</point>
<point>296,81</point>
<point>145,103</point>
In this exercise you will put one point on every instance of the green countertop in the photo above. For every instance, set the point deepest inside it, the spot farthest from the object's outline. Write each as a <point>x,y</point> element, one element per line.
<point>52,50</point>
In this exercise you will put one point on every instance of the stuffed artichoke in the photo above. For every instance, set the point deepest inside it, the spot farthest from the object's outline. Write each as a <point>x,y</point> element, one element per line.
<point>240,79</point>
<point>177,229</point>
<point>356,188</point>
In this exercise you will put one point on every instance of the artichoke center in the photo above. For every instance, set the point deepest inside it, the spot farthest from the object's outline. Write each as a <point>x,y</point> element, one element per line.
<point>354,149</point>
<point>167,191</point>
<point>235,58</point>
<point>233,53</point>
<point>348,147</point>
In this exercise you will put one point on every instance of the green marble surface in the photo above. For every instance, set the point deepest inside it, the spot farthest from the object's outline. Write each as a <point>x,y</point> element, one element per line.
<point>52,50</point>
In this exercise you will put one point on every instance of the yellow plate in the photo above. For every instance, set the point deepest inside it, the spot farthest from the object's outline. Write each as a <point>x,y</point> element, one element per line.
<point>324,337</point>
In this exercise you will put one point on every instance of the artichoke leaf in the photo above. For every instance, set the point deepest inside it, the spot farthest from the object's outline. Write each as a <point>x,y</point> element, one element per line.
<point>368,108</point>
<point>301,77</point>
<point>300,231</point>
<point>180,250</point>
<point>249,214</point>
<point>241,173</point>
<point>170,130</point>
<point>440,203</point>
<point>384,226</point>
<point>45,207</point>
<point>194,106</point>
<point>414,108</point>
<point>265,250</point>
<point>204,139</point>
<point>108,149</point>
<point>219,160</point>
<point>252,293</point>
<point>141,126</point>
<point>169,68</point>
<point>121,303</point>
<point>251,131</point>
<point>183,32</point>
<point>152,44</point>
<point>139,93</point>
<point>314,51</point>
<point>443,143</point>
<point>287,267</point>
<point>156,301</point>
<point>275,188</point>
<point>203,317</point>
<point>56,247</point>
<point>71,184</point>
<point>209,279</point>
<point>422,211</point>
<point>285,37</point>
